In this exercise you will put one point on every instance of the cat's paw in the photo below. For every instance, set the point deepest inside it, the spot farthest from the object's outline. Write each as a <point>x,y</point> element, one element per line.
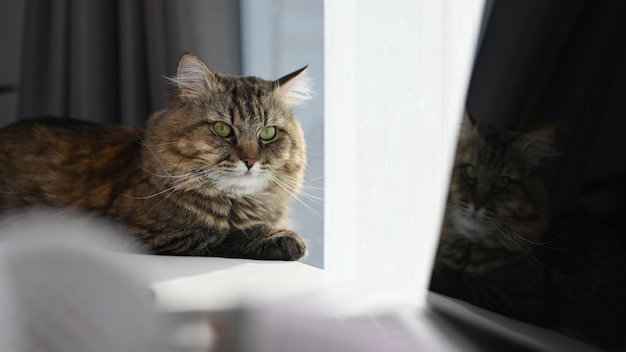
<point>283,245</point>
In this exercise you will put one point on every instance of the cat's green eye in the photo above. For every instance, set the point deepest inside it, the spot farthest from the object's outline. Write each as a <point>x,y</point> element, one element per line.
<point>222,129</point>
<point>502,183</point>
<point>267,133</point>
<point>470,173</point>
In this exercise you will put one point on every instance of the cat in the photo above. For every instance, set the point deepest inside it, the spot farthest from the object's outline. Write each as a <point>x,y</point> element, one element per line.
<point>503,248</point>
<point>211,175</point>
<point>496,215</point>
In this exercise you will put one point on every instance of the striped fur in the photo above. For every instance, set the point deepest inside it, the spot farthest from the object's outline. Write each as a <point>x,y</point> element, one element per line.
<point>495,219</point>
<point>177,185</point>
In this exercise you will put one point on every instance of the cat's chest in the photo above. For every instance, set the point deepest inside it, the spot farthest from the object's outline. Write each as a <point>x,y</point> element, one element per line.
<point>227,212</point>
<point>246,212</point>
<point>479,260</point>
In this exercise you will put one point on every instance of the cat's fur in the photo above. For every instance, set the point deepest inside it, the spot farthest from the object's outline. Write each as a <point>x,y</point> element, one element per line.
<point>502,249</point>
<point>588,281</point>
<point>178,185</point>
<point>496,215</point>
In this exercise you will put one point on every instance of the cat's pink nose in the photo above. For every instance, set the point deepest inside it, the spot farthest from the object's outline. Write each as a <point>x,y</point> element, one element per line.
<point>249,162</point>
<point>480,196</point>
<point>478,204</point>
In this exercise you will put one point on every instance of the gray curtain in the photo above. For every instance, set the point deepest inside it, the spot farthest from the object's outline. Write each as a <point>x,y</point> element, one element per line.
<point>99,60</point>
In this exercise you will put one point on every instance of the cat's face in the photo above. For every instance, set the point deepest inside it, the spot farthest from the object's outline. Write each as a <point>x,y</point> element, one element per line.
<point>494,189</point>
<point>233,135</point>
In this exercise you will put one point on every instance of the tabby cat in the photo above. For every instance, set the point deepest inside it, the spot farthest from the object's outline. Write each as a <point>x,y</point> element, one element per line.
<point>496,215</point>
<point>502,248</point>
<point>211,175</point>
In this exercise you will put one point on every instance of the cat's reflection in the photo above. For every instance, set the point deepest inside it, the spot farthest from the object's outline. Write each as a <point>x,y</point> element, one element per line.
<point>501,250</point>
<point>495,217</point>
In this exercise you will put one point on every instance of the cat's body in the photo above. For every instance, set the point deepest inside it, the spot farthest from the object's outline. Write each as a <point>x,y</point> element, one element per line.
<point>496,215</point>
<point>211,175</point>
<point>587,281</point>
<point>502,249</point>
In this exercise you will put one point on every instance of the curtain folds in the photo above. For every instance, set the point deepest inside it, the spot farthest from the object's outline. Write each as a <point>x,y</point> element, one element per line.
<point>99,60</point>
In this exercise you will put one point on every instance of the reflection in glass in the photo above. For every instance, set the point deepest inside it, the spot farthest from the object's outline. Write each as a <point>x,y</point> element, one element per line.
<point>503,248</point>
<point>555,259</point>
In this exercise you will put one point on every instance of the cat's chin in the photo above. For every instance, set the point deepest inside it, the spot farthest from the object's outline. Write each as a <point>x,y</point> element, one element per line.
<point>240,181</point>
<point>243,185</point>
<point>470,227</point>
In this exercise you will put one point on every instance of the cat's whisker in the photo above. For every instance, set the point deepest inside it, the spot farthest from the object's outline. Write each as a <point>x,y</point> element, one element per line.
<point>523,246</point>
<point>168,175</point>
<point>156,157</point>
<point>293,184</point>
<point>305,180</point>
<point>543,244</point>
<point>186,180</point>
<point>146,197</point>
<point>315,200</point>
<point>276,180</point>
<point>305,186</point>
<point>531,256</point>
<point>303,192</point>
<point>193,178</point>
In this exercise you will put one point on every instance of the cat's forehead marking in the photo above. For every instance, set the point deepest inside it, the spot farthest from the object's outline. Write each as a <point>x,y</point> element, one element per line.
<point>493,151</point>
<point>247,97</point>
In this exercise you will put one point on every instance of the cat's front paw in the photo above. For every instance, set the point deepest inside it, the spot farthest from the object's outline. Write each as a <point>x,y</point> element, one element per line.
<point>282,245</point>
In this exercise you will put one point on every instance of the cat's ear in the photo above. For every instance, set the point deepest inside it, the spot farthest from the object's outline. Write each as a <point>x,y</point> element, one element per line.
<point>294,88</point>
<point>537,144</point>
<point>193,78</point>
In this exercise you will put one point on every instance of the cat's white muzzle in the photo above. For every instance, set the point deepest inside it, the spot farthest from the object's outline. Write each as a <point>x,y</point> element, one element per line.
<point>471,223</point>
<point>242,181</point>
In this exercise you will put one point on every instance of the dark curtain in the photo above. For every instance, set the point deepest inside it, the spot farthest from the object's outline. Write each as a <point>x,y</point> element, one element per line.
<point>99,60</point>
<point>561,64</point>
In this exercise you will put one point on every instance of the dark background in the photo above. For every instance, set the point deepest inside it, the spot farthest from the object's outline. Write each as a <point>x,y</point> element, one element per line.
<point>103,60</point>
<point>562,64</point>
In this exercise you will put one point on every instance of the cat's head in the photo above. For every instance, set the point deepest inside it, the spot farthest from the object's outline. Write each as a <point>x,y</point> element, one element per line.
<point>495,192</point>
<point>227,134</point>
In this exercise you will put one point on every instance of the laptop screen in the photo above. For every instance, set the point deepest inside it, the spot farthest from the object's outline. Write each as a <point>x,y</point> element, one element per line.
<point>532,226</point>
